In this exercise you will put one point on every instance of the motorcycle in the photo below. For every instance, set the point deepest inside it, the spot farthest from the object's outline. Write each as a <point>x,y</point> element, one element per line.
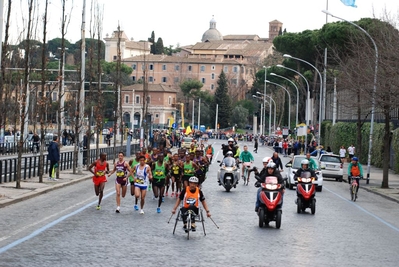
<point>228,174</point>
<point>306,192</point>
<point>270,200</point>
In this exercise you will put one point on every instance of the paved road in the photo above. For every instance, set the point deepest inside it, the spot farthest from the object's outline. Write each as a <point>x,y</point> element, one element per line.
<point>63,228</point>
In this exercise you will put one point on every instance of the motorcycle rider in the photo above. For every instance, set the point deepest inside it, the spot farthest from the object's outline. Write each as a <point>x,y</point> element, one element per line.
<point>355,169</point>
<point>228,161</point>
<point>305,168</point>
<point>229,147</point>
<point>269,169</point>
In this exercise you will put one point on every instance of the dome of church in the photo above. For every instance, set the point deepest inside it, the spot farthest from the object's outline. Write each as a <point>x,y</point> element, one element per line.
<point>212,34</point>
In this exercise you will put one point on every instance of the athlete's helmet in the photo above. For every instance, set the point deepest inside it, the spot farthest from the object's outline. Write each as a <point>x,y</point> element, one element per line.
<point>305,162</point>
<point>267,159</point>
<point>229,153</point>
<point>355,159</point>
<point>230,140</point>
<point>193,179</point>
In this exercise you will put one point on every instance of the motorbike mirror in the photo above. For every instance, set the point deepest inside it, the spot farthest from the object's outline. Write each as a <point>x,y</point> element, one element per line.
<point>288,165</point>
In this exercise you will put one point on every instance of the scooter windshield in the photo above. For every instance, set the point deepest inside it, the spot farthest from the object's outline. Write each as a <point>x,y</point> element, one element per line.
<point>229,162</point>
<point>306,175</point>
<point>271,180</point>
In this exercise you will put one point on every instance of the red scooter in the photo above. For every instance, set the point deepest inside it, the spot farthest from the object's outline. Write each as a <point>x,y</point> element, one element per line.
<point>271,200</point>
<point>306,192</point>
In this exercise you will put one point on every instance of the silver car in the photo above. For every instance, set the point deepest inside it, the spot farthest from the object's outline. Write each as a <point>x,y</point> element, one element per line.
<point>332,166</point>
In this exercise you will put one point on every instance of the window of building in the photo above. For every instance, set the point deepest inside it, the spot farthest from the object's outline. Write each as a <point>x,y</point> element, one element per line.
<point>55,96</point>
<point>126,99</point>
<point>235,69</point>
<point>234,81</point>
<point>164,67</point>
<point>151,67</point>
<point>134,66</point>
<point>142,66</point>
<point>177,67</point>
<point>190,68</point>
<point>156,115</point>
<point>213,67</point>
<point>149,99</point>
<point>150,79</point>
<point>225,69</point>
<point>202,68</point>
<point>137,99</point>
<point>133,78</point>
<point>212,86</point>
<point>115,57</point>
<point>164,79</point>
<point>203,80</point>
<point>213,76</point>
<point>176,79</point>
<point>170,100</point>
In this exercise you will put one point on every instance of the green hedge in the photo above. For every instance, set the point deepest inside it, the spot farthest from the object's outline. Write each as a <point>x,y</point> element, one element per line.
<point>344,133</point>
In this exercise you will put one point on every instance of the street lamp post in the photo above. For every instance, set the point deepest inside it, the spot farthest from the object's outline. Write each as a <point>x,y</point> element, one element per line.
<point>264,105</point>
<point>297,94</point>
<point>307,102</point>
<point>289,101</point>
<point>321,89</point>
<point>374,90</point>
<point>270,111</point>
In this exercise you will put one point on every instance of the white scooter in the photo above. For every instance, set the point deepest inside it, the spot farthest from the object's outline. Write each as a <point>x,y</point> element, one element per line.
<point>229,173</point>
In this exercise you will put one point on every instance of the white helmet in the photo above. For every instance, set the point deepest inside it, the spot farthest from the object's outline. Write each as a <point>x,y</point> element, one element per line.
<point>229,153</point>
<point>271,164</point>
<point>230,140</point>
<point>305,162</point>
<point>267,159</point>
<point>193,179</point>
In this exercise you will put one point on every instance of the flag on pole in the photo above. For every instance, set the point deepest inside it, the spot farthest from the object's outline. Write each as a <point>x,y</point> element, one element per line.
<point>349,3</point>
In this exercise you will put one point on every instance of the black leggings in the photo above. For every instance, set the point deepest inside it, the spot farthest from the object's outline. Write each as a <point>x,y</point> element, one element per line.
<point>185,214</point>
<point>357,180</point>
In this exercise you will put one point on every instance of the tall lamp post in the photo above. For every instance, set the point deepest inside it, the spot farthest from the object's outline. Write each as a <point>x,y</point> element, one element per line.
<point>374,90</point>
<point>264,104</point>
<point>289,101</point>
<point>307,101</point>
<point>297,94</point>
<point>270,109</point>
<point>321,89</point>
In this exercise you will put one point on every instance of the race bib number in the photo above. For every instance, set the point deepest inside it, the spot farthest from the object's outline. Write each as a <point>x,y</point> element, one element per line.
<point>100,173</point>
<point>139,180</point>
<point>120,173</point>
<point>187,172</point>
<point>175,170</point>
<point>191,201</point>
<point>159,173</point>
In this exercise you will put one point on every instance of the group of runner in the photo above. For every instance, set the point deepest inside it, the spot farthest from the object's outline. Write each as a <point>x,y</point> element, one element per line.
<point>151,168</point>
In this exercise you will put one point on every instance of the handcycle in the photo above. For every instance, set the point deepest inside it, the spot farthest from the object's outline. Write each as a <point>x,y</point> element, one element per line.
<point>191,218</point>
<point>245,175</point>
<point>354,186</point>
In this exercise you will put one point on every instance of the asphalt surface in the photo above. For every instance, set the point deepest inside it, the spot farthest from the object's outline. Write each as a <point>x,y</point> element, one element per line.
<point>63,228</point>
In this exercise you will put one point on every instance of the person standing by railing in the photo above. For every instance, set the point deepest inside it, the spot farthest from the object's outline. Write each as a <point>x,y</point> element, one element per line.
<point>53,156</point>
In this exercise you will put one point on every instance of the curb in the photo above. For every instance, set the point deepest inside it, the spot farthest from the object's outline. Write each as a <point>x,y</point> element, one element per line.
<point>39,191</point>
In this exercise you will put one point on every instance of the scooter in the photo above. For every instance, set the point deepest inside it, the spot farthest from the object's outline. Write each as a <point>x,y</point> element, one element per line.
<point>270,200</point>
<point>306,192</point>
<point>228,175</point>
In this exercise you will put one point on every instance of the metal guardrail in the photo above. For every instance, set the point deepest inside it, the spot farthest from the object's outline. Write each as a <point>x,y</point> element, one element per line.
<point>30,163</point>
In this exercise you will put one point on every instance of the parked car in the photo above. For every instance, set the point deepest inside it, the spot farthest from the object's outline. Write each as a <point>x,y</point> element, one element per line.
<point>331,166</point>
<point>294,165</point>
<point>186,142</point>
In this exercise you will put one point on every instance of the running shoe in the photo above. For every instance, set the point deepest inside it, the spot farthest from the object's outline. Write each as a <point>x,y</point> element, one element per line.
<point>141,211</point>
<point>117,209</point>
<point>173,194</point>
<point>193,226</point>
<point>136,207</point>
<point>98,207</point>
<point>158,210</point>
<point>166,194</point>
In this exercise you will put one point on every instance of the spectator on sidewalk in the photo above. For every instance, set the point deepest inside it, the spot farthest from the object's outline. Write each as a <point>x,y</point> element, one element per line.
<point>277,160</point>
<point>53,155</point>
<point>342,153</point>
<point>351,151</point>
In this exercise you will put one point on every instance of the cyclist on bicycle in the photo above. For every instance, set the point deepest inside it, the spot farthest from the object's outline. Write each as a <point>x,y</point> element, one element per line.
<point>269,169</point>
<point>191,196</point>
<point>247,159</point>
<point>355,169</point>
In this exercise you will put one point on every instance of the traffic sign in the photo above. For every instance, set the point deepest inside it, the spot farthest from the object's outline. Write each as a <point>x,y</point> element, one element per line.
<point>174,125</point>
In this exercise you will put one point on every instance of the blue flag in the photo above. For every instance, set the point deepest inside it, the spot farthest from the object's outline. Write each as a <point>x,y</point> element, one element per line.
<point>349,3</point>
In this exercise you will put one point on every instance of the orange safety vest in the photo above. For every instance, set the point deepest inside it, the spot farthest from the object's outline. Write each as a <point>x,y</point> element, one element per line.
<point>191,198</point>
<point>355,170</point>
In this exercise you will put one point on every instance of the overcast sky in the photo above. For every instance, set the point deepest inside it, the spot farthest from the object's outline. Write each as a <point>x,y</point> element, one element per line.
<point>183,22</point>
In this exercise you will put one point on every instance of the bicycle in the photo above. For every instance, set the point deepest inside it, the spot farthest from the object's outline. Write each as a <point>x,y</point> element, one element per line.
<point>245,176</point>
<point>354,187</point>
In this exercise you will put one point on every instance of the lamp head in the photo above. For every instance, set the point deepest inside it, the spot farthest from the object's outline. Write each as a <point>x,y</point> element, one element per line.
<point>274,74</point>
<point>327,12</point>
<point>267,81</point>
<point>280,66</point>
<point>286,55</point>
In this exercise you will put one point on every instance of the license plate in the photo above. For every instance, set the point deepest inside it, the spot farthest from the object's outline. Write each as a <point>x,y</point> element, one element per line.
<point>330,166</point>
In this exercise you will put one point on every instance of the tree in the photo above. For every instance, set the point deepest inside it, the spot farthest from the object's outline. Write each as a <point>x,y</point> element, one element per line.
<point>240,115</point>
<point>152,41</point>
<point>191,87</point>
<point>159,47</point>
<point>223,100</point>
